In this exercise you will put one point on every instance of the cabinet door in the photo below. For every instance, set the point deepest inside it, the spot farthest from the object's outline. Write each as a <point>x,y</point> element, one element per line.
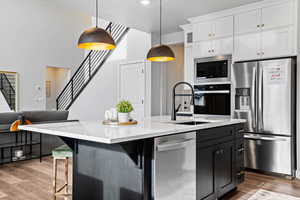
<point>222,46</point>
<point>202,49</point>
<point>248,22</point>
<point>247,47</point>
<point>205,173</point>
<point>277,43</point>
<point>202,31</point>
<point>277,16</point>
<point>188,65</point>
<point>223,27</point>
<point>224,168</point>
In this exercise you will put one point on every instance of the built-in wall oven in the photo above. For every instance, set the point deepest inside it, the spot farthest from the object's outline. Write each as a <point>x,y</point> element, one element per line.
<point>212,99</point>
<point>213,69</point>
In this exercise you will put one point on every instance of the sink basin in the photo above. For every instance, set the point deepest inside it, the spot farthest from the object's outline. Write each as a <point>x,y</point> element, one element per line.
<point>191,123</point>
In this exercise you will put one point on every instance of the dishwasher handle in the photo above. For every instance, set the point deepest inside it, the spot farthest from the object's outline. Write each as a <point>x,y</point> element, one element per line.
<point>178,144</point>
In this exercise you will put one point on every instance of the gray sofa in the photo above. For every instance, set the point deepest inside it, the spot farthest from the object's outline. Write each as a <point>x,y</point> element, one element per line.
<point>48,142</point>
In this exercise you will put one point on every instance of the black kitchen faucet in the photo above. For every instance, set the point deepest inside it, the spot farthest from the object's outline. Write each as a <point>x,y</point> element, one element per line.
<point>174,110</point>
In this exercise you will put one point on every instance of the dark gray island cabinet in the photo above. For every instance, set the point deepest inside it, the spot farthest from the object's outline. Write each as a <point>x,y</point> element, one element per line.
<point>114,163</point>
<point>124,171</point>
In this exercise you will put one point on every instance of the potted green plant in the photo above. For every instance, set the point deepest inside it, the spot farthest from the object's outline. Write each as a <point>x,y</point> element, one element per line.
<point>124,108</point>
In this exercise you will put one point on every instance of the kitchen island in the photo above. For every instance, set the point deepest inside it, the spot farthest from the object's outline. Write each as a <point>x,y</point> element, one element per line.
<point>122,163</point>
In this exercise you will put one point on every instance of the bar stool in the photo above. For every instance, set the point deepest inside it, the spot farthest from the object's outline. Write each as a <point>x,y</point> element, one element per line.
<point>61,153</point>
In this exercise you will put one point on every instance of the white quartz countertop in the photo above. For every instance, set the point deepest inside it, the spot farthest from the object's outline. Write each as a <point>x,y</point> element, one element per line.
<point>95,131</point>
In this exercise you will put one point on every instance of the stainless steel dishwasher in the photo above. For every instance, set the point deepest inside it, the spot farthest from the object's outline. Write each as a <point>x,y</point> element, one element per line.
<point>175,167</point>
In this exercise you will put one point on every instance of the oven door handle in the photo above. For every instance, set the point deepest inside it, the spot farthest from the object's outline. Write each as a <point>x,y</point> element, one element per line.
<point>213,92</point>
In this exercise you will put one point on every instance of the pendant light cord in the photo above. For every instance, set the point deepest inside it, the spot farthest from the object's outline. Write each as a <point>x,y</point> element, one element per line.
<point>160,21</point>
<point>97,13</point>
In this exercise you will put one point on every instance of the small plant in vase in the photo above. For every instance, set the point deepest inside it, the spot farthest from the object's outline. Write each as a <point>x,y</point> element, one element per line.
<point>124,108</point>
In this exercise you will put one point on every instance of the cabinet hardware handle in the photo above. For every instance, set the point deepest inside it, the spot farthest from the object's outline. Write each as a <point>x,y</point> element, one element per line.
<point>209,35</point>
<point>262,25</point>
<point>263,53</point>
<point>213,50</point>
<point>258,26</point>
<point>241,150</point>
<point>209,51</point>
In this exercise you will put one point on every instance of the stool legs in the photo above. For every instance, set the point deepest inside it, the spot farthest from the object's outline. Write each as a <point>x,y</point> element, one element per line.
<point>66,174</point>
<point>54,177</point>
<point>65,187</point>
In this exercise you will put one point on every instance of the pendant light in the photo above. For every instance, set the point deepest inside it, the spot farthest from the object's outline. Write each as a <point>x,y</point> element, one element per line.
<point>96,38</point>
<point>160,53</point>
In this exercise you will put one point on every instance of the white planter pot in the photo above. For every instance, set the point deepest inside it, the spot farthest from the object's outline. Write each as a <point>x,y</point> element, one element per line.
<point>123,117</point>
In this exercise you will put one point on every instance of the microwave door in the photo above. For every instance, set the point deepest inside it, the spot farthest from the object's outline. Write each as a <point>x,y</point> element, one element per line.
<point>245,84</point>
<point>275,97</point>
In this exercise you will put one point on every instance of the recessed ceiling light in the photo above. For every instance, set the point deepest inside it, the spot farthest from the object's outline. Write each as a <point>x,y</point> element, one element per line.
<point>145,2</point>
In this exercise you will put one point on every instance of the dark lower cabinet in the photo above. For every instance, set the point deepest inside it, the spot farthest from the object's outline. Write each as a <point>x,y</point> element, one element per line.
<point>224,168</point>
<point>217,166</point>
<point>205,173</point>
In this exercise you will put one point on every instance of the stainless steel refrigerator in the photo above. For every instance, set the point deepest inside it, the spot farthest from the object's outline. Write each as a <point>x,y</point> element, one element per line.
<point>264,95</point>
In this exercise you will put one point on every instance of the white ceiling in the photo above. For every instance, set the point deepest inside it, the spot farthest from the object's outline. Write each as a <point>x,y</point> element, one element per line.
<point>146,18</point>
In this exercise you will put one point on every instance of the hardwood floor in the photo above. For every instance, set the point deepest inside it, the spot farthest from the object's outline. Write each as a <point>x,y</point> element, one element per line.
<point>29,180</point>
<point>32,180</point>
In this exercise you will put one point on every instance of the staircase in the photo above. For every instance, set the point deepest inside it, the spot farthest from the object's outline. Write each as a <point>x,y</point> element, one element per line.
<point>88,69</point>
<point>8,89</point>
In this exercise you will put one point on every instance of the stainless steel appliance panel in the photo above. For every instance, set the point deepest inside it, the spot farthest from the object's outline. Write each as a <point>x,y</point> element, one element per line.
<point>212,99</point>
<point>245,78</point>
<point>175,167</point>
<point>268,153</point>
<point>213,69</point>
<point>274,97</point>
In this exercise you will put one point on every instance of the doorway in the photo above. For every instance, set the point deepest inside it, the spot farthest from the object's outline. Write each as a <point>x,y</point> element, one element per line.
<point>56,80</point>
<point>135,86</point>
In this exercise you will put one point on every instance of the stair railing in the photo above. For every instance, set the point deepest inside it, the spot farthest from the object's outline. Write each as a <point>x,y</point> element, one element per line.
<point>88,69</point>
<point>8,91</point>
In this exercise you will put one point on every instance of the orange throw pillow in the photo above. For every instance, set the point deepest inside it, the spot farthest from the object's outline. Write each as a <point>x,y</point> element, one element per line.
<point>15,126</point>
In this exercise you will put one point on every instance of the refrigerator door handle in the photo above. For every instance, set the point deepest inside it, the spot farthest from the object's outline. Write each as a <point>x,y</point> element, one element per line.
<point>260,118</point>
<point>253,101</point>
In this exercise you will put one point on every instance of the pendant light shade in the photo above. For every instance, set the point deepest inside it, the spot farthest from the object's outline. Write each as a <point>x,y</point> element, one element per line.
<point>96,38</point>
<point>161,53</point>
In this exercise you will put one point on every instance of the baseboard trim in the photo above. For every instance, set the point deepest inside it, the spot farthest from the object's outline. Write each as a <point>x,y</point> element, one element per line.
<point>298,174</point>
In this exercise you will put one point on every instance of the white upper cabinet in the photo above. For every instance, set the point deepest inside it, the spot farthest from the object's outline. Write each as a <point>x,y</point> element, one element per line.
<point>202,31</point>
<point>276,43</point>
<point>277,16</point>
<point>217,47</point>
<point>265,29</point>
<point>247,46</point>
<point>223,27</point>
<point>218,28</point>
<point>247,22</point>
<point>202,49</point>
<point>223,46</point>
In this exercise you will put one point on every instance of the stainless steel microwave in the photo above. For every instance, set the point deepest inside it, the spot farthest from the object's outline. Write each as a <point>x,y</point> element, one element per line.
<point>213,69</point>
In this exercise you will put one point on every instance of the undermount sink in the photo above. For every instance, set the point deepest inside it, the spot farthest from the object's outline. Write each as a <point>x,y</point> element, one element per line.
<point>191,123</point>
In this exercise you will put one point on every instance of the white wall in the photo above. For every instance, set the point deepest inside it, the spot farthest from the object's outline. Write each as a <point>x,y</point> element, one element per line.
<point>165,75</point>
<point>174,74</point>
<point>35,34</point>
<point>58,78</point>
<point>102,92</point>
